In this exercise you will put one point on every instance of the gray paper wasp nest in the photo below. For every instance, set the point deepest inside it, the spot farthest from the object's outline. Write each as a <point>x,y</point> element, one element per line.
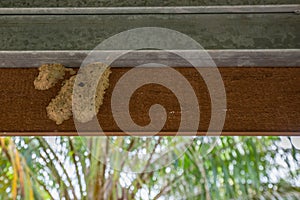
<point>60,107</point>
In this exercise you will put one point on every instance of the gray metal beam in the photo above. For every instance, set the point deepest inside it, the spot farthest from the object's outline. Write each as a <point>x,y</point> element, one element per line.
<point>212,31</point>
<point>124,3</point>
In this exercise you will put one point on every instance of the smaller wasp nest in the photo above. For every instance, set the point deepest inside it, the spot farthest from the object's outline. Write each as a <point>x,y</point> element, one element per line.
<point>60,107</point>
<point>49,75</point>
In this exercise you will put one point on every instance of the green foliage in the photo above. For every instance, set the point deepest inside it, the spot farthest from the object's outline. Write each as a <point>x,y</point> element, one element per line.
<point>69,168</point>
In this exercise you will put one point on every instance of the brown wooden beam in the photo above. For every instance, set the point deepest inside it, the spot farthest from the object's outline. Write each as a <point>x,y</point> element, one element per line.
<point>260,101</point>
<point>162,133</point>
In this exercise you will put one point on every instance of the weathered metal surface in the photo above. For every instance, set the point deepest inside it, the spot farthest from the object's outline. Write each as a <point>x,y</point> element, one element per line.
<point>110,3</point>
<point>84,32</point>
<point>222,58</point>
<point>153,10</point>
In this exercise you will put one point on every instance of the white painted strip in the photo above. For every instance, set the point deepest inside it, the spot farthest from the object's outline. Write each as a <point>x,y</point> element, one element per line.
<point>222,58</point>
<point>294,8</point>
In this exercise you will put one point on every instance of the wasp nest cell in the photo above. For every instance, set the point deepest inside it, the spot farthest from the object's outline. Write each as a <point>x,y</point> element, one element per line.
<point>87,97</point>
<point>60,107</point>
<point>49,75</point>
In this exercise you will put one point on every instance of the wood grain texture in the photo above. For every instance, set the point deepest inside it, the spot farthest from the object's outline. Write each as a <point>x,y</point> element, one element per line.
<point>212,31</point>
<point>262,101</point>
